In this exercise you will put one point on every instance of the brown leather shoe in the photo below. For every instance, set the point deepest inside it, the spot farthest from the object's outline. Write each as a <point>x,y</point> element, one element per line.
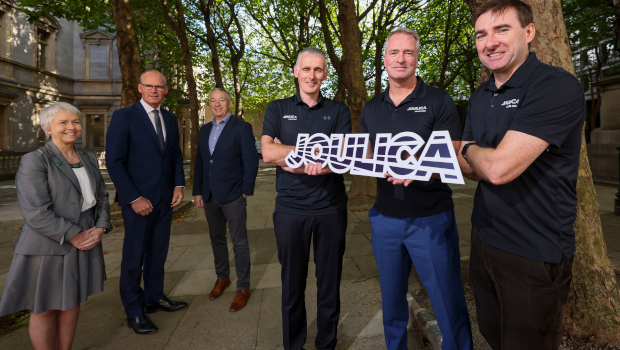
<point>241,300</point>
<point>219,287</point>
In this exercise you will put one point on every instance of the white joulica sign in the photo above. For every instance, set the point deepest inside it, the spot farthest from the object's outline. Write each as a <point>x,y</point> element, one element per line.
<point>438,155</point>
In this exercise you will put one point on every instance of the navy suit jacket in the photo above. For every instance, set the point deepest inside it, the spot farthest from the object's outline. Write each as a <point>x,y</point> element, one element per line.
<point>137,165</point>
<point>231,170</point>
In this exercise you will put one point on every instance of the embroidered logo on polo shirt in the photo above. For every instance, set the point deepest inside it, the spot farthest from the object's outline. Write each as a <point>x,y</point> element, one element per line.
<point>511,103</point>
<point>290,117</point>
<point>420,109</point>
<point>327,117</point>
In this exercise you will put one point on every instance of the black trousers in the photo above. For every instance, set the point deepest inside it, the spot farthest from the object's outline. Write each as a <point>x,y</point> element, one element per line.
<point>519,302</point>
<point>145,250</point>
<point>235,213</point>
<point>293,235</point>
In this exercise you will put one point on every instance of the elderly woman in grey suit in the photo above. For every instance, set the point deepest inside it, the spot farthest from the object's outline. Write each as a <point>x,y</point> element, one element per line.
<point>58,259</point>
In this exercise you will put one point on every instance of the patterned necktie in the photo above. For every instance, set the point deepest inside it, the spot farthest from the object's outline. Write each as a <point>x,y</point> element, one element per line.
<point>158,129</point>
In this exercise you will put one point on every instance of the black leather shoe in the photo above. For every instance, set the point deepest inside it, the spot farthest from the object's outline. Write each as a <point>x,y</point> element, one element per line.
<point>165,304</point>
<point>142,324</point>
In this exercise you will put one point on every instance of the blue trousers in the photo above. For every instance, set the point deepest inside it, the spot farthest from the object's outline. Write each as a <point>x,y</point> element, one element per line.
<point>144,255</point>
<point>432,244</point>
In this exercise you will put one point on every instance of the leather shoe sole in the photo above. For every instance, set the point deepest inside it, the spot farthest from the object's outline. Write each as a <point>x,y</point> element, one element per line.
<point>143,326</point>
<point>142,333</point>
<point>151,309</point>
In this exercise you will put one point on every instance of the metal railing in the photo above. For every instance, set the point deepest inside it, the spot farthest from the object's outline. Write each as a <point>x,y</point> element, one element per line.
<point>9,162</point>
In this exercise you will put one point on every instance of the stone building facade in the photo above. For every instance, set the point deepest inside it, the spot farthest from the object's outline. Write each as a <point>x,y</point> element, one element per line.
<point>47,61</point>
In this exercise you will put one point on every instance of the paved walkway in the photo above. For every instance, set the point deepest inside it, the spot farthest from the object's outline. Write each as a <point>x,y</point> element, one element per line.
<point>190,274</point>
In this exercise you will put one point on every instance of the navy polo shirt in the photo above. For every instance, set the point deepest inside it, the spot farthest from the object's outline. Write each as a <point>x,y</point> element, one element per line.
<point>425,110</point>
<point>300,193</point>
<point>531,216</point>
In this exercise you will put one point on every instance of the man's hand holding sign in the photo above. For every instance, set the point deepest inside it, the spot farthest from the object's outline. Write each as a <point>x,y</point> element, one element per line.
<point>318,154</point>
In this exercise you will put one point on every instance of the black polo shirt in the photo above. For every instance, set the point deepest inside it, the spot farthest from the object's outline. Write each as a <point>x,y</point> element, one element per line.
<point>425,110</point>
<point>531,216</point>
<point>304,194</point>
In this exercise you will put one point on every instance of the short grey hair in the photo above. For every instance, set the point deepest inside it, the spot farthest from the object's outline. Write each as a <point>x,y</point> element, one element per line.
<point>222,90</point>
<point>154,71</point>
<point>46,115</point>
<point>403,30</point>
<point>313,51</point>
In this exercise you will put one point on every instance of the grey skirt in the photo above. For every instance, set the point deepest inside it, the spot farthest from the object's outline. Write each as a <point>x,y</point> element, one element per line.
<point>54,282</point>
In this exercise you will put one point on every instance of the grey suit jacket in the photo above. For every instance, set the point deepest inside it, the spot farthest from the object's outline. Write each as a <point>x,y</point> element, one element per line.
<point>50,198</point>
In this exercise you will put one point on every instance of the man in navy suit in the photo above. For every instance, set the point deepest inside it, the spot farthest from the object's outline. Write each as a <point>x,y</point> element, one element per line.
<point>224,175</point>
<point>145,163</point>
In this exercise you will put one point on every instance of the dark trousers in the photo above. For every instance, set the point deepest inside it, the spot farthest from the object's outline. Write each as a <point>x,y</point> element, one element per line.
<point>293,235</point>
<point>431,244</point>
<point>235,213</point>
<point>519,302</point>
<point>144,254</point>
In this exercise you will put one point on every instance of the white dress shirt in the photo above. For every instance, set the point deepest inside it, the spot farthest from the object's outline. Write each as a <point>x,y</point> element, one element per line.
<point>149,111</point>
<point>88,196</point>
<point>87,190</point>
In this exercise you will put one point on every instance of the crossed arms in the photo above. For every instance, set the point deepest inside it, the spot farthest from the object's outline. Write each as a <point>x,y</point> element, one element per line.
<point>514,154</point>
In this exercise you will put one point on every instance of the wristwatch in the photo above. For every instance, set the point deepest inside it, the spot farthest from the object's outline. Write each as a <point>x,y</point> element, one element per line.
<point>465,149</point>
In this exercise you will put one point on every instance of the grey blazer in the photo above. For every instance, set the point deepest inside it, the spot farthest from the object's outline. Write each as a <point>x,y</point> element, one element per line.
<point>50,198</point>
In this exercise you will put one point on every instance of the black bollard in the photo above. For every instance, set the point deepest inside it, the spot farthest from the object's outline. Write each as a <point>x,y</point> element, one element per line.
<point>617,204</point>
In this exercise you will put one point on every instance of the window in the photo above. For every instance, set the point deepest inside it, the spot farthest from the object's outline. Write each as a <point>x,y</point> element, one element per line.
<point>98,62</point>
<point>41,48</point>
<point>95,131</point>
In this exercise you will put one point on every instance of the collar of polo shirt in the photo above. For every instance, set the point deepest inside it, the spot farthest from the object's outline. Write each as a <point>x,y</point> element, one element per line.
<point>519,77</point>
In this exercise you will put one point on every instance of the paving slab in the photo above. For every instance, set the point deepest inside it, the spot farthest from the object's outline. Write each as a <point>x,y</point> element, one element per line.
<point>208,324</point>
<point>167,322</point>
<point>194,258</point>
<point>367,266</point>
<point>357,245</point>
<point>361,227</point>
<point>187,240</point>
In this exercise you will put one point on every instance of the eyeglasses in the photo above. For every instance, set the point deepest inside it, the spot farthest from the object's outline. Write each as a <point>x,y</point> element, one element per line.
<point>150,87</point>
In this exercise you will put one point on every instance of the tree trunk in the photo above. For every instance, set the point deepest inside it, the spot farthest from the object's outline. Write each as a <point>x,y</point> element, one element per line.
<point>353,79</point>
<point>237,88</point>
<point>378,62</point>
<point>180,29</point>
<point>236,54</point>
<point>206,10</point>
<point>341,91</point>
<point>594,300</point>
<point>128,51</point>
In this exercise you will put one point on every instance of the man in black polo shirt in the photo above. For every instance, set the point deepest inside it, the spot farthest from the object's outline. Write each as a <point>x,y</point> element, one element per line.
<point>311,200</point>
<point>522,140</point>
<point>413,221</point>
